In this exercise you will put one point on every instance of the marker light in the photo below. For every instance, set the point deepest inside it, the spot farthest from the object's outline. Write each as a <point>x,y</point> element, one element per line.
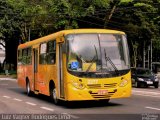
<point>123,83</point>
<point>78,85</point>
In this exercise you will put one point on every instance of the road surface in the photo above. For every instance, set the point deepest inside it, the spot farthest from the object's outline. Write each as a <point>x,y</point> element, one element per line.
<point>144,104</point>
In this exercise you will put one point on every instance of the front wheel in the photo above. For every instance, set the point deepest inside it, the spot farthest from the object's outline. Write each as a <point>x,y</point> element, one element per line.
<point>53,95</point>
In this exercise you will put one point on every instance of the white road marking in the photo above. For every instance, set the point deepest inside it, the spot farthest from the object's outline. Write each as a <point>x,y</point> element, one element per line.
<point>146,95</point>
<point>17,99</point>
<point>147,92</point>
<point>153,108</point>
<point>4,84</point>
<point>6,97</point>
<point>29,103</point>
<point>46,108</point>
<point>8,79</point>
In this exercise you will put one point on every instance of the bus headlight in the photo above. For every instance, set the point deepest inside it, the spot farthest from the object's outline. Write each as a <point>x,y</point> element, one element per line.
<point>123,83</point>
<point>78,85</point>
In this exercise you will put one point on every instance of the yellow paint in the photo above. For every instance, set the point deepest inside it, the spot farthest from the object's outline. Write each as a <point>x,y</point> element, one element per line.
<point>90,66</point>
<point>75,88</point>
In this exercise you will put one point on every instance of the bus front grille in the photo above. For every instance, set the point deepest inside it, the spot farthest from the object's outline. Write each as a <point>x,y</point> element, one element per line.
<point>112,85</point>
<point>97,86</point>
<point>96,95</point>
<point>94,86</point>
<point>101,96</point>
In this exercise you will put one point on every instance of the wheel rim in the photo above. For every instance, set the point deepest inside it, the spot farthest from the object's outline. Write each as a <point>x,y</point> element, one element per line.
<point>28,88</point>
<point>55,96</point>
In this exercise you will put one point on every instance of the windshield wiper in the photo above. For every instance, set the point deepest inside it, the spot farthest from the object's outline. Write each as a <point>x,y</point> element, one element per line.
<point>96,56</point>
<point>110,61</point>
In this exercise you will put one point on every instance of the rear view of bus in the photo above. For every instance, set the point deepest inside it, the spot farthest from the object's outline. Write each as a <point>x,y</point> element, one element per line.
<point>97,65</point>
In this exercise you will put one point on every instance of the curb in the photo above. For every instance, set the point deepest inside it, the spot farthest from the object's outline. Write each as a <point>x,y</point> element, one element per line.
<point>11,79</point>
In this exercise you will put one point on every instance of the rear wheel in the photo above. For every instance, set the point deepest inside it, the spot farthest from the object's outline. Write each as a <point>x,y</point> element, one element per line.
<point>28,88</point>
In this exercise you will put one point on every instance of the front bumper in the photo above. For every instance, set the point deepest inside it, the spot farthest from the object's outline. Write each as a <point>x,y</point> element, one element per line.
<point>148,83</point>
<point>74,94</point>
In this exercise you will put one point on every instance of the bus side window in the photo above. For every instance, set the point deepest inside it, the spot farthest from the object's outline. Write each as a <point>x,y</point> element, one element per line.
<point>51,52</point>
<point>24,56</point>
<point>43,53</point>
<point>29,58</point>
<point>19,57</point>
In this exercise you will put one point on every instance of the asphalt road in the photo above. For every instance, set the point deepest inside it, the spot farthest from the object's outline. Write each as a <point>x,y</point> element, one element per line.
<point>144,104</point>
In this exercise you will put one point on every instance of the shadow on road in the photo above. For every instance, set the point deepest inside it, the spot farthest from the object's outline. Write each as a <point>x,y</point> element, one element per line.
<point>78,104</point>
<point>67,104</point>
<point>89,104</point>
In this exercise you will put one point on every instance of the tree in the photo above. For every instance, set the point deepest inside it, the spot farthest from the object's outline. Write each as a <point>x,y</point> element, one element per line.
<point>29,19</point>
<point>136,19</point>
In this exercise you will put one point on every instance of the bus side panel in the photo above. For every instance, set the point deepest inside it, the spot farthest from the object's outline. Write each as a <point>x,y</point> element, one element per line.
<point>41,79</point>
<point>24,72</point>
<point>21,76</point>
<point>45,74</point>
<point>29,76</point>
<point>52,75</point>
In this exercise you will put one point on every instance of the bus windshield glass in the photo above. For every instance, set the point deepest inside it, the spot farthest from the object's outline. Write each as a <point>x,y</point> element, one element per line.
<point>99,54</point>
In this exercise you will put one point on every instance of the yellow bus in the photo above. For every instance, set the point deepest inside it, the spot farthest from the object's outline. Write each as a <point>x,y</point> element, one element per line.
<point>76,65</point>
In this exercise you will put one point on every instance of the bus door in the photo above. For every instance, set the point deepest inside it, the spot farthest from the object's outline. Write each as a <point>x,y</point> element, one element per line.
<point>35,68</point>
<point>60,71</point>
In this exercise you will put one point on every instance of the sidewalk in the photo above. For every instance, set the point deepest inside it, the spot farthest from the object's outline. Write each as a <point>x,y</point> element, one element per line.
<point>158,74</point>
<point>7,78</point>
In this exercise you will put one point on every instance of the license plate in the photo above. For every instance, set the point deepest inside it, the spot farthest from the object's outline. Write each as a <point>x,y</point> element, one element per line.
<point>149,82</point>
<point>102,92</point>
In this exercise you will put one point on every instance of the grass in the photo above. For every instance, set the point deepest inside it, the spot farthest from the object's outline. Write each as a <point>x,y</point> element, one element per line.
<point>12,74</point>
<point>8,76</point>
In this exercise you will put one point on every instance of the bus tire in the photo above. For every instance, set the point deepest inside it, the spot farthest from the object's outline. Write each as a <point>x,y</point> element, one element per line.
<point>28,88</point>
<point>53,95</point>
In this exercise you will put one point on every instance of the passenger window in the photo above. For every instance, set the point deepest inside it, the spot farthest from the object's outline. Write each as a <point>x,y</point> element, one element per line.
<point>19,57</point>
<point>43,53</point>
<point>51,52</point>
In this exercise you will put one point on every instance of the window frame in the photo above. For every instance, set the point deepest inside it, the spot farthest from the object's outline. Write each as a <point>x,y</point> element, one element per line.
<point>45,55</point>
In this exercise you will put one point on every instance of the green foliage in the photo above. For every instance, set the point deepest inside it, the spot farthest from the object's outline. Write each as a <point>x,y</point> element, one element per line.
<point>125,1</point>
<point>140,19</point>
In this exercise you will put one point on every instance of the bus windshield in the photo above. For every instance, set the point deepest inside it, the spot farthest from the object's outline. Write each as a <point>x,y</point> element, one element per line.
<point>97,53</point>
